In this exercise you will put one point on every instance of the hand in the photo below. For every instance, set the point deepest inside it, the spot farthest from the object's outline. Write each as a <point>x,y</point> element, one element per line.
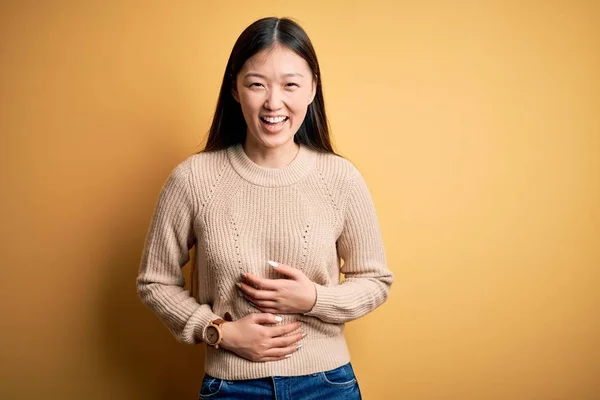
<point>296,295</point>
<point>248,337</point>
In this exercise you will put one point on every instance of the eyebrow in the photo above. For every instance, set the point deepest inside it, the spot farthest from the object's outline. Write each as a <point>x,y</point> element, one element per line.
<point>289,75</point>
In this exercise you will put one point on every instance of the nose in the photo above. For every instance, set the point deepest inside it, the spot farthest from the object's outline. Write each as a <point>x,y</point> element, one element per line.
<point>274,100</point>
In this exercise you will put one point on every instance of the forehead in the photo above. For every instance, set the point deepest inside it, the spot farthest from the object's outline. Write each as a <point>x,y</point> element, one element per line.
<point>276,60</point>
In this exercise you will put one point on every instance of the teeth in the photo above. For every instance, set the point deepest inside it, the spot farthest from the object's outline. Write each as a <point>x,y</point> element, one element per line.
<point>274,120</point>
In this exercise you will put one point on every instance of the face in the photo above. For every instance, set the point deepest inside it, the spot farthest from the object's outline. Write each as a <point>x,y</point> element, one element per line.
<point>212,335</point>
<point>274,88</point>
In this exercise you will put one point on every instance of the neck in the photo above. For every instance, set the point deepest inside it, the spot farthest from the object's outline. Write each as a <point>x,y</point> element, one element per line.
<point>271,157</point>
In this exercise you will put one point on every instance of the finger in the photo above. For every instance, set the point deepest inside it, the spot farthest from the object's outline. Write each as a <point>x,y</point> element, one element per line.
<point>286,270</point>
<point>266,304</point>
<point>257,282</point>
<point>281,351</point>
<point>261,303</point>
<point>275,358</point>
<point>285,341</point>
<point>255,293</point>
<point>265,318</point>
<point>281,330</point>
<point>269,310</point>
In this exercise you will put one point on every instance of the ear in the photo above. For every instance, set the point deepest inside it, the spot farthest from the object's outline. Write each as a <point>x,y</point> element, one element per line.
<point>234,91</point>
<point>314,90</point>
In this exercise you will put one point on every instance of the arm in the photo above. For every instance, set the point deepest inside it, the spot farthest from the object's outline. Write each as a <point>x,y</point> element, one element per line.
<point>160,283</point>
<point>367,279</point>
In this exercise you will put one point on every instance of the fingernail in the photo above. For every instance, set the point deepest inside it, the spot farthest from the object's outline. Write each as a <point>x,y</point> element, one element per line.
<point>273,264</point>
<point>304,334</point>
<point>238,285</point>
<point>278,319</point>
<point>299,346</point>
<point>287,356</point>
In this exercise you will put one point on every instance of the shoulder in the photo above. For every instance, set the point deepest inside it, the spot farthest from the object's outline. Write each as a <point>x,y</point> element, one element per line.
<point>347,183</point>
<point>207,162</point>
<point>339,177</point>
<point>337,169</point>
<point>198,162</point>
<point>203,167</point>
<point>199,171</point>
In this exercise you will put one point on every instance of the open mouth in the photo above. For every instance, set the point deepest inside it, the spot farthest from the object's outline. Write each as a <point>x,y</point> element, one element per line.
<point>273,120</point>
<point>273,124</point>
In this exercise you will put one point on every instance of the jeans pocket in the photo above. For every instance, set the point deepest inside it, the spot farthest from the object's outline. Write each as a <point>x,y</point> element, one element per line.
<point>339,377</point>
<point>211,386</point>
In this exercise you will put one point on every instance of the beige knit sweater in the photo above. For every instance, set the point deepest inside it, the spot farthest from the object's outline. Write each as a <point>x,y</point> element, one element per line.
<point>239,215</point>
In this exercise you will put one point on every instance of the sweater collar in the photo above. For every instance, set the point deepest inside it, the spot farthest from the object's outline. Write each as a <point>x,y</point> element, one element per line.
<point>299,168</point>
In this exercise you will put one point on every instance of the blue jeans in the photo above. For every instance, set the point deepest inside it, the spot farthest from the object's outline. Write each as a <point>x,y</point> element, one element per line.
<point>336,384</point>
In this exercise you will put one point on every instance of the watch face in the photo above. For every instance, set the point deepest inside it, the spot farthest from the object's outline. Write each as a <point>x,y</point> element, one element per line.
<point>212,334</point>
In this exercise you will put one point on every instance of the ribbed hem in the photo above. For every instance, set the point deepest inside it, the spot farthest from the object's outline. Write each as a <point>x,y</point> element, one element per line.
<point>315,356</point>
<point>298,169</point>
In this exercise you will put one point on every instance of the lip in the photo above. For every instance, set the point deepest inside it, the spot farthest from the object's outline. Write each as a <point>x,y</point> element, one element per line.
<point>272,116</point>
<point>273,128</point>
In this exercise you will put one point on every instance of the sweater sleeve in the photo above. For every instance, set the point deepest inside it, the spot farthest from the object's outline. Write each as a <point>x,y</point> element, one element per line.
<point>160,282</point>
<point>367,279</point>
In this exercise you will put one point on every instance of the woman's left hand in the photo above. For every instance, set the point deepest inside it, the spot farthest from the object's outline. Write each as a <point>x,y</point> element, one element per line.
<point>296,295</point>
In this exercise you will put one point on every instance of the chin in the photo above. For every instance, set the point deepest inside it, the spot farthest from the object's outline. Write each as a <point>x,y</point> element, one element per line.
<point>273,141</point>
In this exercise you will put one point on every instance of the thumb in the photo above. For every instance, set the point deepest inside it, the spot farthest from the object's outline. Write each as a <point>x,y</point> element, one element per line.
<point>266,318</point>
<point>286,270</point>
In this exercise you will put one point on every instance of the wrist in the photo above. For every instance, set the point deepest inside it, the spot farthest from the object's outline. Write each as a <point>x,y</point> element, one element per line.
<point>313,301</point>
<point>213,333</point>
<point>227,332</point>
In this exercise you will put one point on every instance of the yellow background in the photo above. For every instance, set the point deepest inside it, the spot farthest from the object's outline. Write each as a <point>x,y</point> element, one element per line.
<point>475,123</point>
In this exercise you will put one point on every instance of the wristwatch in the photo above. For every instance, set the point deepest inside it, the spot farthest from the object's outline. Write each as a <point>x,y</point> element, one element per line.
<point>213,333</point>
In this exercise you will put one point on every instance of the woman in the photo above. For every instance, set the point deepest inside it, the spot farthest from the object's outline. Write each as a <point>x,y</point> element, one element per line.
<point>271,209</point>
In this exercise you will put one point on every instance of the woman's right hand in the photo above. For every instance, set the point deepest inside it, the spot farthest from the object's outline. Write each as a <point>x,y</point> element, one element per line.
<point>251,337</point>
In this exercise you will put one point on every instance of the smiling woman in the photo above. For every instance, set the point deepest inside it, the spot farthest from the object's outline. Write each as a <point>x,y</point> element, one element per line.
<point>272,211</point>
<point>275,88</point>
<point>273,71</point>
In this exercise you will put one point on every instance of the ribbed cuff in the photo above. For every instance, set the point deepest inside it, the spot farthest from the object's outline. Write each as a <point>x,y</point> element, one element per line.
<point>202,323</point>
<point>325,301</point>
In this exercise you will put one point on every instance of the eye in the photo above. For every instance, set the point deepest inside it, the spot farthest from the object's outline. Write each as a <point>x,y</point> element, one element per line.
<point>255,84</point>
<point>292,84</point>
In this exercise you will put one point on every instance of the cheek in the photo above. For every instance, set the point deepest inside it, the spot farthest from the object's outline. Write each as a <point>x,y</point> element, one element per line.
<point>298,103</point>
<point>251,103</point>
<point>298,109</point>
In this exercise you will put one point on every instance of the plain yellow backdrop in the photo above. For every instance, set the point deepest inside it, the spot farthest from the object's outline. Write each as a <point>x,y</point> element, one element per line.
<point>475,123</point>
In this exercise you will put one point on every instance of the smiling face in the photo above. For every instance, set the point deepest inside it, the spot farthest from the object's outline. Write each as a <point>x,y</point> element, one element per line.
<point>274,89</point>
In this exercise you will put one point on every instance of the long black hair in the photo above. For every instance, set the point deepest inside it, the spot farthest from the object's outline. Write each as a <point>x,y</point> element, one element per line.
<point>228,126</point>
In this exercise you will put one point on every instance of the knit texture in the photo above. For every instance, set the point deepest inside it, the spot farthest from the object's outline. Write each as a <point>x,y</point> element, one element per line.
<point>239,215</point>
